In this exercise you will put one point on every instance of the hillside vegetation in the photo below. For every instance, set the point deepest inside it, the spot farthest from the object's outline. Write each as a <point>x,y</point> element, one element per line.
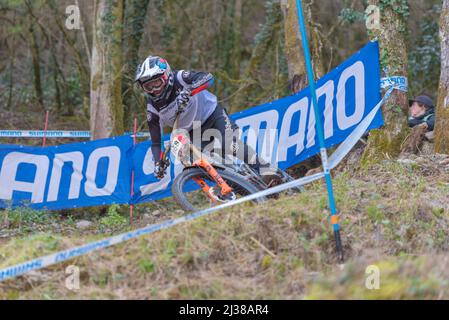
<point>395,215</point>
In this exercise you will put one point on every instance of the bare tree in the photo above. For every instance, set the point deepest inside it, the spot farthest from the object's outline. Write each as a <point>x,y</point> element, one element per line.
<point>442,113</point>
<point>106,109</point>
<point>293,45</point>
<point>386,142</point>
<point>135,13</point>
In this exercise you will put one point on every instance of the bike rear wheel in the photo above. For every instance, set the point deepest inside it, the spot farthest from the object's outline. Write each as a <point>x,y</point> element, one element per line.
<point>191,197</point>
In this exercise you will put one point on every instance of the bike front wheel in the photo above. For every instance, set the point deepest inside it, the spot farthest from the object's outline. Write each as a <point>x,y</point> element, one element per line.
<point>191,197</point>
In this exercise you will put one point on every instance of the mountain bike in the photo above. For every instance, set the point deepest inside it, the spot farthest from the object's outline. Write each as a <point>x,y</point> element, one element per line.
<point>209,180</point>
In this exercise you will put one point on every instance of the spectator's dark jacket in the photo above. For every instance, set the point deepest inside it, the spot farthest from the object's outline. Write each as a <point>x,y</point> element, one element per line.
<point>428,117</point>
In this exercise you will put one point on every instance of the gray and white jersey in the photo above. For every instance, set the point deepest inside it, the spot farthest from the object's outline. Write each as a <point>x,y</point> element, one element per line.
<point>199,108</point>
<point>163,112</point>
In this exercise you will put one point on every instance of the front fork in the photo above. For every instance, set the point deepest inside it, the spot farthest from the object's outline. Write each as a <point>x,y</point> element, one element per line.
<point>213,173</point>
<point>208,168</point>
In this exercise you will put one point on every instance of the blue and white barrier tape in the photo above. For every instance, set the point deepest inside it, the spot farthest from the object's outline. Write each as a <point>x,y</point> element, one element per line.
<point>334,160</point>
<point>349,143</point>
<point>398,82</point>
<point>41,134</point>
<point>42,262</point>
<point>54,134</point>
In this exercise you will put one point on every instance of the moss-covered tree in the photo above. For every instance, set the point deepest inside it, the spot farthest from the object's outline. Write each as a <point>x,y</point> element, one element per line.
<point>293,44</point>
<point>442,113</point>
<point>386,142</point>
<point>106,109</point>
<point>135,13</point>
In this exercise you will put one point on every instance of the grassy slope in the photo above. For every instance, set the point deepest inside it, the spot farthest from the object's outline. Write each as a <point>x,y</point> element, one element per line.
<point>395,216</point>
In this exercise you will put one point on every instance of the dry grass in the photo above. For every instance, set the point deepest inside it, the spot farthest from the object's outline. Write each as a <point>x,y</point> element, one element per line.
<point>395,216</point>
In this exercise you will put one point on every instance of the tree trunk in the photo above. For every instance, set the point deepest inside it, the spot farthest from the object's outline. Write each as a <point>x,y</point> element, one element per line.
<point>237,39</point>
<point>106,110</point>
<point>84,34</point>
<point>135,14</point>
<point>58,99</point>
<point>11,84</point>
<point>12,56</point>
<point>386,142</point>
<point>293,45</point>
<point>56,70</point>
<point>442,112</point>
<point>297,72</point>
<point>35,55</point>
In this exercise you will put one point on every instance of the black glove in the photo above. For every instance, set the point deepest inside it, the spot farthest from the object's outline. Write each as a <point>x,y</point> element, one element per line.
<point>183,99</point>
<point>160,168</point>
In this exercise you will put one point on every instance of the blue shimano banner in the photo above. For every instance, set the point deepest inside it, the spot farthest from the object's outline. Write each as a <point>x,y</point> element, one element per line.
<point>66,176</point>
<point>283,131</point>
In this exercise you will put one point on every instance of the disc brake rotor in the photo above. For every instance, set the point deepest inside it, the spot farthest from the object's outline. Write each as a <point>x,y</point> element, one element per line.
<point>221,198</point>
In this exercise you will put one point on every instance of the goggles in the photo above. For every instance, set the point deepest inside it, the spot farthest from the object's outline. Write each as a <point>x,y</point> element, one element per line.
<point>155,86</point>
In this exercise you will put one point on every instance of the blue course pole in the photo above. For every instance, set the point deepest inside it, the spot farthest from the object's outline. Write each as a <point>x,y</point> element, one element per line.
<point>320,131</point>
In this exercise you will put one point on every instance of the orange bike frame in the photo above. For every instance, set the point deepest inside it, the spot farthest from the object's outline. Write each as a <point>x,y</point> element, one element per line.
<point>225,188</point>
<point>210,170</point>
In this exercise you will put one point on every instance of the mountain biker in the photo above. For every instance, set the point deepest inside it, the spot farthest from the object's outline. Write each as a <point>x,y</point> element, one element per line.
<point>165,89</point>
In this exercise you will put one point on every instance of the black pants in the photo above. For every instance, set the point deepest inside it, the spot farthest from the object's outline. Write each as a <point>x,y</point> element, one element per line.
<point>226,131</point>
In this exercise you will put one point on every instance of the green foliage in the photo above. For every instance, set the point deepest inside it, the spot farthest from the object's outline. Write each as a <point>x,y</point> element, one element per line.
<point>375,213</point>
<point>168,30</point>
<point>399,7</point>
<point>424,56</point>
<point>17,29</point>
<point>74,89</point>
<point>26,219</point>
<point>114,219</point>
<point>102,277</point>
<point>14,3</point>
<point>147,266</point>
<point>349,15</point>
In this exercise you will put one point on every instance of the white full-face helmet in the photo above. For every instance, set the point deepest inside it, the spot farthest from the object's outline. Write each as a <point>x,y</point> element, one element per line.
<point>155,77</point>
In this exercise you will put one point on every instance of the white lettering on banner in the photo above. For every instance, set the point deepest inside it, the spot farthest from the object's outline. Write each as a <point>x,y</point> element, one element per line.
<point>9,184</point>
<point>77,160</point>
<point>286,140</point>
<point>328,91</point>
<point>269,146</point>
<point>273,144</point>
<point>271,117</point>
<point>114,155</point>
<point>357,71</point>
<point>148,168</point>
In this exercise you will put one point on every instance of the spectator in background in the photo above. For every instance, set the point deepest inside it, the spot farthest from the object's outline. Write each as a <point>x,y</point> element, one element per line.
<point>422,122</point>
<point>422,113</point>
